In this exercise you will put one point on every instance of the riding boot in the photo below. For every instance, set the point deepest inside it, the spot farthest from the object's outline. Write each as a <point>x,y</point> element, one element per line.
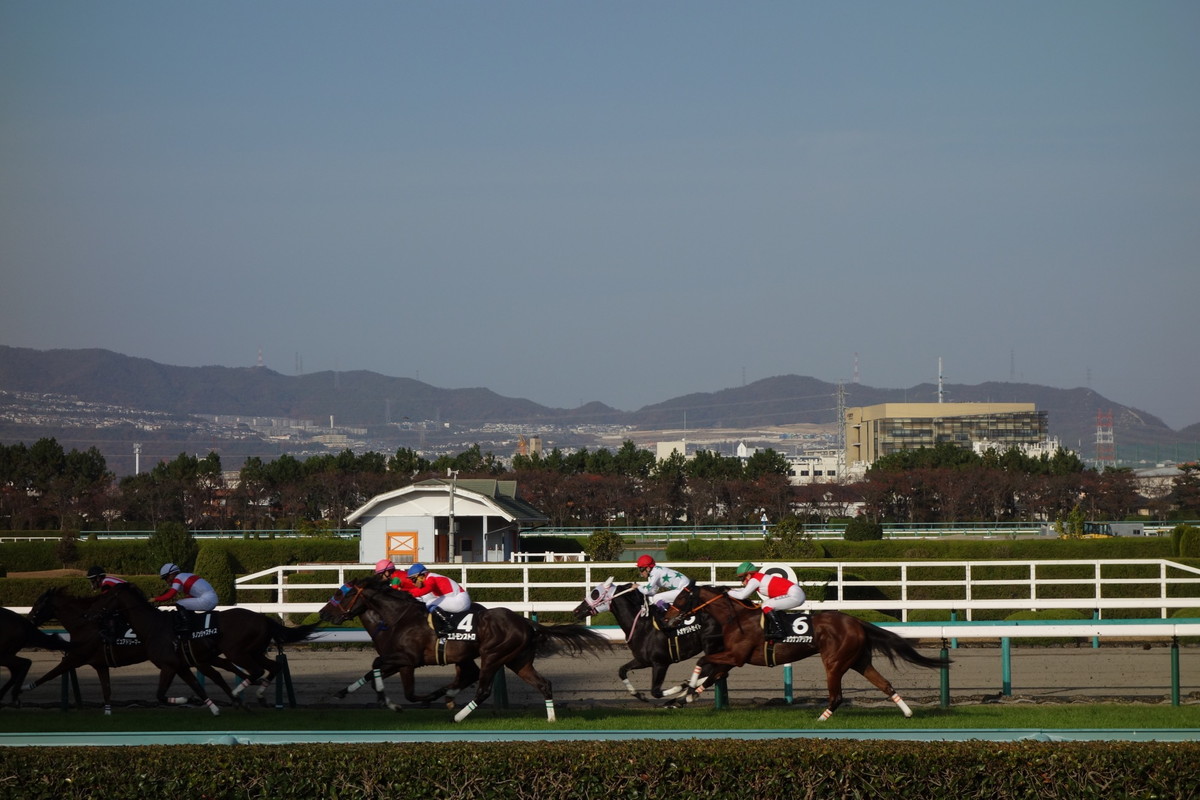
<point>441,621</point>
<point>771,627</point>
<point>183,623</point>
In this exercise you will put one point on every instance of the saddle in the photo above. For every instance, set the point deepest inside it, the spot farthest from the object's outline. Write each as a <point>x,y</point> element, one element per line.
<point>191,626</point>
<point>458,626</point>
<point>788,627</point>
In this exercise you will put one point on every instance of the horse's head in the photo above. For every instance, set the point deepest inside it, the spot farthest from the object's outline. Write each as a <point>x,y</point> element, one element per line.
<point>598,601</point>
<point>347,602</point>
<point>683,605</point>
<point>44,608</point>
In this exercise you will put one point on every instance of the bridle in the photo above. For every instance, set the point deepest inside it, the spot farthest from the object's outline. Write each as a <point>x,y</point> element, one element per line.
<point>604,596</point>
<point>342,605</point>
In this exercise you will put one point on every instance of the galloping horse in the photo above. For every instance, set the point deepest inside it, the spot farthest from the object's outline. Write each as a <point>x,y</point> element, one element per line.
<point>651,647</point>
<point>241,641</point>
<point>399,626</point>
<point>17,633</point>
<point>89,647</point>
<point>844,642</point>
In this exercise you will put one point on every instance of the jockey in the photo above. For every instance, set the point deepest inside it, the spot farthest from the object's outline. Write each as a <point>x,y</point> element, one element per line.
<point>385,569</point>
<point>112,624</point>
<point>777,593</point>
<point>440,594</point>
<point>197,593</point>
<point>662,583</point>
<point>102,581</point>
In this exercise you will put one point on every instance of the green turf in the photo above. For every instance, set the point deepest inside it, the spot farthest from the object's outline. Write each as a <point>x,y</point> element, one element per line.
<point>1139,716</point>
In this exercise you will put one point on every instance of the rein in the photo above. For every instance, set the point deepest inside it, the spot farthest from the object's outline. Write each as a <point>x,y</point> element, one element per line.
<point>345,609</point>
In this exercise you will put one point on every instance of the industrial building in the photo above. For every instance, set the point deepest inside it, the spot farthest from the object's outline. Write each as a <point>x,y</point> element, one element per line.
<point>875,431</point>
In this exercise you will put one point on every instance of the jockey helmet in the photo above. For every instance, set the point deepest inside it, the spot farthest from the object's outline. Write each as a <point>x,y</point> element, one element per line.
<point>645,562</point>
<point>745,568</point>
<point>168,570</point>
<point>95,572</point>
<point>384,565</point>
<point>415,570</point>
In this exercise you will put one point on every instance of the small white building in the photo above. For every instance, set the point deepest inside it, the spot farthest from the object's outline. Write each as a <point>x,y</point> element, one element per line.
<point>445,521</point>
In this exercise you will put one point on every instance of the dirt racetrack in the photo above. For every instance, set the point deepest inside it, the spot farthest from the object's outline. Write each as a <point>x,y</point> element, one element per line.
<point>1126,672</point>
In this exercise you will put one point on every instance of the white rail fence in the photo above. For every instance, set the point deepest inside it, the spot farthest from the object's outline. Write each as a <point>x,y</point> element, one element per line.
<point>1173,586</point>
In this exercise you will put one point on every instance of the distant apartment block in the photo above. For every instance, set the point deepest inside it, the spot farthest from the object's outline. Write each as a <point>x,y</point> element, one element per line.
<point>876,431</point>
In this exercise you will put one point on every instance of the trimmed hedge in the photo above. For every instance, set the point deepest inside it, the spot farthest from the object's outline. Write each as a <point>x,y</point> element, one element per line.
<point>547,770</point>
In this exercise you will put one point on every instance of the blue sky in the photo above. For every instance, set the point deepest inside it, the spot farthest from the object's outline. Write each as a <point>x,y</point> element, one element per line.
<point>620,201</point>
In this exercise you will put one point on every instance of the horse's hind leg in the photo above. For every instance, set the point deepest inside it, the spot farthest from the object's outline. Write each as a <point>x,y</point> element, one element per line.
<point>884,685</point>
<point>18,668</point>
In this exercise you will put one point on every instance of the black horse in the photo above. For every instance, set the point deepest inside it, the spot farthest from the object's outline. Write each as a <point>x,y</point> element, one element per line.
<point>651,645</point>
<point>241,640</point>
<point>16,634</point>
<point>499,637</point>
<point>91,647</point>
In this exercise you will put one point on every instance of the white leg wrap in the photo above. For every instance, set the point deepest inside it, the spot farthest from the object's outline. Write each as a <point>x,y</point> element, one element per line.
<point>29,686</point>
<point>694,681</point>
<point>107,710</point>
<point>241,687</point>
<point>898,700</point>
<point>378,680</point>
<point>466,712</point>
<point>358,684</point>
<point>628,686</point>
<point>177,701</point>
<point>550,711</point>
<point>216,712</point>
<point>674,690</point>
<point>826,714</point>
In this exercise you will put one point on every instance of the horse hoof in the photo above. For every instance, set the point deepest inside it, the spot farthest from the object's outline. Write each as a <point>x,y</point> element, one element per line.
<point>340,694</point>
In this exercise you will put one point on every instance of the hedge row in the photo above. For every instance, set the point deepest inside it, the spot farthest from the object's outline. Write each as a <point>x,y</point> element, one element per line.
<point>131,557</point>
<point>711,769</point>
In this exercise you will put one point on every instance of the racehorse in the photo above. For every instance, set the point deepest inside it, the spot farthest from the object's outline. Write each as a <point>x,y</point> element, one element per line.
<point>651,646</point>
<point>844,642</point>
<point>399,626</point>
<point>17,633</point>
<point>241,640</point>
<point>89,646</point>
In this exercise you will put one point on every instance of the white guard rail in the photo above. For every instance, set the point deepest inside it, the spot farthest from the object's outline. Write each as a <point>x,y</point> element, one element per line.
<point>1173,586</point>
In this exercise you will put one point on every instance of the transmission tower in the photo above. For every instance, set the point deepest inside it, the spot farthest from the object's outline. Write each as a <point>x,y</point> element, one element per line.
<point>1106,447</point>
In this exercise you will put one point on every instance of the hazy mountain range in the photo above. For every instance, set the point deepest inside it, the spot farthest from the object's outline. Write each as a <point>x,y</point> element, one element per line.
<point>370,400</point>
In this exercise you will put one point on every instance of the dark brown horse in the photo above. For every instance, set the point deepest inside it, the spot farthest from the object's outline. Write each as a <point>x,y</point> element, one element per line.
<point>239,645</point>
<point>844,642</point>
<point>91,648</point>
<point>498,637</point>
<point>651,647</point>
<point>16,634</point>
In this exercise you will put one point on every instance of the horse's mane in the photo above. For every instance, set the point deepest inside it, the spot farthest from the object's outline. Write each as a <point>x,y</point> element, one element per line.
<point>385,591</point>
<point>132,588</point>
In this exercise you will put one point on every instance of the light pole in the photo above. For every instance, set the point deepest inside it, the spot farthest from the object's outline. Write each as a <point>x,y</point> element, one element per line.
<point>452,474</point>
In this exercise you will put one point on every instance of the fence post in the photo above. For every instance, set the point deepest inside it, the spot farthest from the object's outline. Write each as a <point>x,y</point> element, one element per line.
<point>944,695</point>
<point>721,695</point>
<point>1006,666</point>
<point>1175,670</point>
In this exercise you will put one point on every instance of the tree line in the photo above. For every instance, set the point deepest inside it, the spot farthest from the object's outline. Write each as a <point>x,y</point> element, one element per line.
<point>42,487</point>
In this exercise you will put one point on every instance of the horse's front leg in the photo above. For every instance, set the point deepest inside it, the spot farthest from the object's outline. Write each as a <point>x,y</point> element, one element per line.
<point>623,673</point>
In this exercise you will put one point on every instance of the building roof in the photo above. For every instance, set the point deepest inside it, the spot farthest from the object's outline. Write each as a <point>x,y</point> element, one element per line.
<point>479,497</point>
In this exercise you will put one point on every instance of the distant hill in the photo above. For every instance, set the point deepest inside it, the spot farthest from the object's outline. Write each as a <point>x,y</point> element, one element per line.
<point>367,398</point>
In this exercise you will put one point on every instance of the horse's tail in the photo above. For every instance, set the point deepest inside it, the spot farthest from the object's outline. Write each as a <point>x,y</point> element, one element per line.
<point>894,646</point>
<point>573,638</point>
<point>283,634</point>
